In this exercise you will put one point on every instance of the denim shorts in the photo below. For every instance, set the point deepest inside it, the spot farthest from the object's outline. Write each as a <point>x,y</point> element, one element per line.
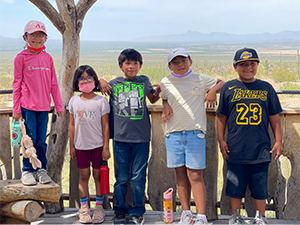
<point>239,176</point>
<point>186,148</point>
<point>84,158</point>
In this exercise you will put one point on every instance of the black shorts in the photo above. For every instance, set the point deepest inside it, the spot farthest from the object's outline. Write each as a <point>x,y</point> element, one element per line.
<point>241,175</point>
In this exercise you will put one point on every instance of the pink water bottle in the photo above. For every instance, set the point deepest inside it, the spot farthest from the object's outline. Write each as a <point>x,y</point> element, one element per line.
<point>168,206</point>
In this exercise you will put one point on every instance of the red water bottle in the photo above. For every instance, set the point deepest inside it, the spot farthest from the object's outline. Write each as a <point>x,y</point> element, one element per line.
<point>104,178</point>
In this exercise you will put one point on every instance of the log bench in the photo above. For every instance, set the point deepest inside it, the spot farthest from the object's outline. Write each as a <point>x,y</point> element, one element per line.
<point>21,204</point>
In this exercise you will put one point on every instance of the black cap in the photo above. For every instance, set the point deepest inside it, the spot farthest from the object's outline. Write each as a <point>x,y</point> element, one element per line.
<point>245,54</point>
<point>103,163</point>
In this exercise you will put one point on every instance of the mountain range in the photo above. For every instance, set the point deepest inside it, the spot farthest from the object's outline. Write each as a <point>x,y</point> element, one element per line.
<point>225,38</point>
<point>190,37</point>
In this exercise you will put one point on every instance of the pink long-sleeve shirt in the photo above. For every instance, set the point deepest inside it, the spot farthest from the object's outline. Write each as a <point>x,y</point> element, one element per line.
<point>34,81</point>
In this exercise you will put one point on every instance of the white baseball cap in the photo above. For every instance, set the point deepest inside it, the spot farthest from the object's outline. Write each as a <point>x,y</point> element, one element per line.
<point>34,26</point>
<point>177,52</point>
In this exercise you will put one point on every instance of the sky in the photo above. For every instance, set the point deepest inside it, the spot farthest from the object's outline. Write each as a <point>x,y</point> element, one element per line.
<point>127,20</point>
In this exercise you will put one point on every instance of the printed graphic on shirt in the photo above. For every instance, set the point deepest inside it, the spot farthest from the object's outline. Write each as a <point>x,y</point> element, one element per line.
<point>84,115</point>
<point>37,68</point>
<point>196,90</point>
<point>129,98</point>
<point>249,94</point>
<point>249,113</point>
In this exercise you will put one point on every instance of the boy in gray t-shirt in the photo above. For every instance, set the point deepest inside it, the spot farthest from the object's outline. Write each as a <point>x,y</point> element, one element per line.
<point>130,129</point>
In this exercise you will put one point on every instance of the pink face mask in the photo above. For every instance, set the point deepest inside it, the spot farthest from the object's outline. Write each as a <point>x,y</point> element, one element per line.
<point>87,88</point>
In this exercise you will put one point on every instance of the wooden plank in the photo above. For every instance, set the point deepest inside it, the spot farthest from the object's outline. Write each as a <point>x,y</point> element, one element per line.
<point>14,190</point>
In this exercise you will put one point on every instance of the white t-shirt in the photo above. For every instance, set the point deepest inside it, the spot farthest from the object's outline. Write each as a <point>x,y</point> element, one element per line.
<point>87,115</point>
<point>186,97</point>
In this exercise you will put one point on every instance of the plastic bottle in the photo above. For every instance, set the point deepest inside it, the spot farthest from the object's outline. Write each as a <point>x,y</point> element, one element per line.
<point>168,206</point>
<point>104,178</point>
<point>16,134</point>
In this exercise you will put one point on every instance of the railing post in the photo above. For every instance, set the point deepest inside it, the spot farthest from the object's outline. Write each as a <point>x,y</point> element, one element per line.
<point>210,174</point>
<point>5,144</point>
<point>160,178</point>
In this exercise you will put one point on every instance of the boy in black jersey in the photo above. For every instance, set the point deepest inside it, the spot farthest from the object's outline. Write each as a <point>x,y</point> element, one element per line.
<point>247,106</point>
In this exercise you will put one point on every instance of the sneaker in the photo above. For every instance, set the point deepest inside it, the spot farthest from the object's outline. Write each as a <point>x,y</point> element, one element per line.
<point>84,214</point>
<point>28,178</point>
<point>99,214</point>
<point>139,220</point>
<point>42,176</point>
<point>186,218</point>
<point>259,219</point>
<point>200,222</point>
<point>119,219</point>
<point>236,218</point>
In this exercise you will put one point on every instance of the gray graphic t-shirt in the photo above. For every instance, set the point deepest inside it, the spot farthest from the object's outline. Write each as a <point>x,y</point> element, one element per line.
<point>129,116</point>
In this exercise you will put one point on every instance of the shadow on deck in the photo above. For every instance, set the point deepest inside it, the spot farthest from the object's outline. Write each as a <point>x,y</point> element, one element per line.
<point>151,217</point>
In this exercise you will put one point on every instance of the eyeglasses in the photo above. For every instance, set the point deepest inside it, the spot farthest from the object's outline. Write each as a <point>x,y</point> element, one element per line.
<point>177,62</point>
<point>34,35</point>
<point>89,79</point>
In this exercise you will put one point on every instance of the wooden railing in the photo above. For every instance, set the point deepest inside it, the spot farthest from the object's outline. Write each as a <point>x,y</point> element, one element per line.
<point>284,196</point>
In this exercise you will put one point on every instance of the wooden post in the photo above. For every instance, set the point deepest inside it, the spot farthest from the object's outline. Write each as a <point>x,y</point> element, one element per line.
<point>74,201</point>
<point>160,178</point>
<point>17,165</point>
<point>291,149</point>
<point>210,174</point>
<point>5,144</point>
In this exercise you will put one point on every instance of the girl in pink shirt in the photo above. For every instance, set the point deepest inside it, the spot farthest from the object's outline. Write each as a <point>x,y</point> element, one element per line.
<point>34,81</point>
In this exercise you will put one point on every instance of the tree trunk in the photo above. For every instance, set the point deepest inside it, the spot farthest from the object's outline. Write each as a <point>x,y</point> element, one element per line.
<point>26,210</point>
<point>59,134</point>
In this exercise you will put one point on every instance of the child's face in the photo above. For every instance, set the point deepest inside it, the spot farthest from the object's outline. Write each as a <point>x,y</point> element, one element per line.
<point>130,68</point>
<point>85,78</point>
<point>246,70</point>
<point>36,40</point>
<point>180,65</point>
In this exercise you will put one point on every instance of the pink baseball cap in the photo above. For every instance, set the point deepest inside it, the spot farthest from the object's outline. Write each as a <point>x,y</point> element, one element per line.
<point>34,26</point>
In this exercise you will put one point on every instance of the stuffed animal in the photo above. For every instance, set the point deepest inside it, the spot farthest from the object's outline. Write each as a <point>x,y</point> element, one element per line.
<point>28,149</point>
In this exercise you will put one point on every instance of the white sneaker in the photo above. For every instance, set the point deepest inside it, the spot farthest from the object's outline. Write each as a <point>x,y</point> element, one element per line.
<point>28,178</point>
<point>236,218</point>
<point>186,218</point>
<point>259,219</point>
<point>200,222</point>
<point>99,214</point>
<point>42,176</point>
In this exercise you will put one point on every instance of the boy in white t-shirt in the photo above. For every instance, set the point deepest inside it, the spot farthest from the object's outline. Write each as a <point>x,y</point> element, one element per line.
<point>186,93</point>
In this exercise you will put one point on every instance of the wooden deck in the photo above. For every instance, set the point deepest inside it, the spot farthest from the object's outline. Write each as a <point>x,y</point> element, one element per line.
<point>151,217</point>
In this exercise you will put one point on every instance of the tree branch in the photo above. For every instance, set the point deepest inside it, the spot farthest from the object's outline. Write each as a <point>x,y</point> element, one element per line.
<point>81,8</point>
<point>51,13</point>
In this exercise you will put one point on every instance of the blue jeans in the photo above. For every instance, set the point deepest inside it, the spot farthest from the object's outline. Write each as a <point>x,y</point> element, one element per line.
<point>132,162</point>
<point>36,128</point>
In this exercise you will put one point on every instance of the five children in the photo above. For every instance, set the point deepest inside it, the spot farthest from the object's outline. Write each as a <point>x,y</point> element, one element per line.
<point>247,106</point>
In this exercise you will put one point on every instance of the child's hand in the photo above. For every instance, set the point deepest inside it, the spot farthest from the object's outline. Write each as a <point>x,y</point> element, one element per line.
<point>59,114</point>
<point>72,153</point>
<point>17,116</point>
<point>157,90</point>
<point>211,99</point>
<point>224,149</point>
<point>105,153</point>
<point>167,110</point>
<point>277,147</point>
<point>104,87</point>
